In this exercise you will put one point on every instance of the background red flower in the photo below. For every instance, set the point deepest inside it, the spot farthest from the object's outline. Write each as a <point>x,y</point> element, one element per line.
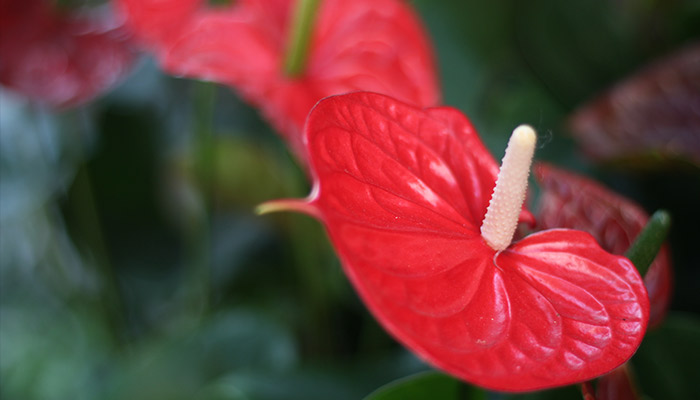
<point>375,45</point>
<point>650,114</point>
<point>57,59</point>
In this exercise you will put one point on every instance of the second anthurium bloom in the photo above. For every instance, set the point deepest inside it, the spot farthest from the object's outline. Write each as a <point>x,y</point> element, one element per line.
<point>404,193</point>
<point>376,45</point>
<point>57,58</point>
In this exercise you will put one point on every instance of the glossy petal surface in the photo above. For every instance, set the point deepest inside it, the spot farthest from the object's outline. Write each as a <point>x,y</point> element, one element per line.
<point>572,201</point>
<point>654,112</point>
<point>402,192</point>
<point>56,59</point>
<point>376,45</point>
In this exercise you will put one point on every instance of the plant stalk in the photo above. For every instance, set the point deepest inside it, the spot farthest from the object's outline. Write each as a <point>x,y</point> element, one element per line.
<point>300,37</point>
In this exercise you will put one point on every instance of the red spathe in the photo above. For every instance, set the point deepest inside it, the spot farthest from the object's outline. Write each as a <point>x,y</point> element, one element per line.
<point>402,192</point>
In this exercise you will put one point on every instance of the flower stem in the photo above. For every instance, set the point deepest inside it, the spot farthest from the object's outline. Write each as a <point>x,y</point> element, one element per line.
<point>89,221</point>
<point>647,244</point>
<point>501,218</point>
<point>197,236</point>
<point>298,48</point>
<point>587,391</point>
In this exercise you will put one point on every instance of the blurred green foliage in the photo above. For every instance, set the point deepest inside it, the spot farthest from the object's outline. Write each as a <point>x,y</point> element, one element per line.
<point>132,265</point>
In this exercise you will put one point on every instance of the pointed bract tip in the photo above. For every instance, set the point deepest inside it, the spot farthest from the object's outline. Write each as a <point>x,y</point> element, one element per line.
<point>295,205</point>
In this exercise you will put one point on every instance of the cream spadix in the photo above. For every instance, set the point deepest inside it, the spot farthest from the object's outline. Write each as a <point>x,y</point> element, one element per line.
<point>501,218</point>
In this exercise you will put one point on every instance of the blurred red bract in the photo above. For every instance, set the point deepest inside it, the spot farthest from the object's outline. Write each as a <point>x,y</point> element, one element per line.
<point>655,112</point>
<point>60,60</point>
<point>156,22</point>
<point>573,201</point>
<point>374,45</point>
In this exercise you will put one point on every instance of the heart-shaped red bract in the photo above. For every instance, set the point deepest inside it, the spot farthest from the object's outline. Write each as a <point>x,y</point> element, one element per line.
<point>56,59</point>
<point>402,192</point>
<point>376,45</point>
<point>572,201</point>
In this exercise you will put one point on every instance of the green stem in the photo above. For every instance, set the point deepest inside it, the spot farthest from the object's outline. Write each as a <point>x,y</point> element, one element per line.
<point>88,220</point>
<point>647,244</point>
<point>84,214</point>
<point>197,237</point>
<point>309,249</point>
<point>298,48</point>
<point>312,258</point>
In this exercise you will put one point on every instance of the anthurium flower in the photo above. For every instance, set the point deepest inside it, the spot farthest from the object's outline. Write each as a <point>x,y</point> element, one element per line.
<point>376,45</point>
<point>403,193</point>
<point>56,59</point>
<point>572,201</point>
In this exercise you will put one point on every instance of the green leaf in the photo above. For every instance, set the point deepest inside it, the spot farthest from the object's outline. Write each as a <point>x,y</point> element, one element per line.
<point>571,392</point>
<point>666,364</point>
<point>427,385</point>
